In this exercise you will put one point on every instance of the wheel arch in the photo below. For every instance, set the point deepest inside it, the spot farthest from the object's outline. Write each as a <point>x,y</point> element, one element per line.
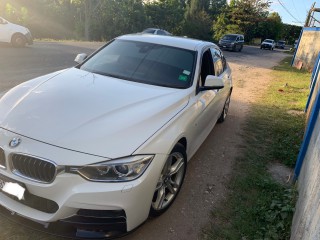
<point>183,142</point>
<point>17,33</point>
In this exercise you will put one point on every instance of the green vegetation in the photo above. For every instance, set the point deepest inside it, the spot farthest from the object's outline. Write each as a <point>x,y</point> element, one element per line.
<point>105,19</point>
<point>259,207</point>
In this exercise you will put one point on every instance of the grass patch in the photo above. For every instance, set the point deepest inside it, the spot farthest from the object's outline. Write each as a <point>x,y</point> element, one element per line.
<point>258,207</point>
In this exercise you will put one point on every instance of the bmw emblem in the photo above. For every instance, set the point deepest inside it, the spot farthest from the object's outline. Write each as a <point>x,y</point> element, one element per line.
<point>14,142</point>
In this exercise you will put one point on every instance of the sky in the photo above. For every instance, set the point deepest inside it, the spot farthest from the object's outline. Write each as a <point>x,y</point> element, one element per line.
<point>297,8</point>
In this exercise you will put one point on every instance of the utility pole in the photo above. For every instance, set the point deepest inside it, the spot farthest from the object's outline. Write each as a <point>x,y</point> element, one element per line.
<point>310,16</point>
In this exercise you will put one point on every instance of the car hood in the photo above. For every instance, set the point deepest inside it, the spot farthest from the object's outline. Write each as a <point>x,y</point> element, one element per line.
<point>90,113</point>
<point>267,43</point>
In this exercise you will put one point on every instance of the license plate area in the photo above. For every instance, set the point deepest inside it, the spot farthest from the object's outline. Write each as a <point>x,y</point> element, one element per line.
<point>12,187</point>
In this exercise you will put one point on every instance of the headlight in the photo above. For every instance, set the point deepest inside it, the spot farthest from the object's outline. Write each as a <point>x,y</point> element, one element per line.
<point>120,170</point>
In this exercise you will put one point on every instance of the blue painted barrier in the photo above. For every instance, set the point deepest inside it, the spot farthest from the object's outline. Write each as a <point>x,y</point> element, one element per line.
<point>307,137</point>
<point>314,77</point>
<point>316,67</point>
<point>312,106</point>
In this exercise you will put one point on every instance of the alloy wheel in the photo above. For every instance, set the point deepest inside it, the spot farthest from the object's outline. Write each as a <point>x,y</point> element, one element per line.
<point>170,181</point>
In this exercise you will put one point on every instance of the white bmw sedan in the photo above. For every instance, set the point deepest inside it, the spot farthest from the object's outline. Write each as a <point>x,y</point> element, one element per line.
<point>97,148</point>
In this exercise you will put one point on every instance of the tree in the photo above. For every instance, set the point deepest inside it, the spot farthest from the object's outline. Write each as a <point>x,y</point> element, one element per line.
<point>270,28</point>
<point>217,7</point>
<point>241,16</point>
<point>247,14</point>
<point>166,14</point>
<point>198,26</point>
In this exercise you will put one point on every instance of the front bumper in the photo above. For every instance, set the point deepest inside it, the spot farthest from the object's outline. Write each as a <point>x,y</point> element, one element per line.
<point>84,207</point>
<point>228,46</point>
<point>29,38</point>
<point>266,46</point>
<point>86,224</point>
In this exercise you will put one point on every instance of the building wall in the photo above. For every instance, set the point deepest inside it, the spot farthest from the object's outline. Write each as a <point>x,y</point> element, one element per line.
<point>306,220</point>
<point>308,48</point>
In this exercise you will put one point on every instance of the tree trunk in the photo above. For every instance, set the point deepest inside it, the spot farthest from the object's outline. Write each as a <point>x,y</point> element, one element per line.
<point>87,19</point>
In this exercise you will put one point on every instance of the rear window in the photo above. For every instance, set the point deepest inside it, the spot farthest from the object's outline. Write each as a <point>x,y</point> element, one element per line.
<point>145,63</point>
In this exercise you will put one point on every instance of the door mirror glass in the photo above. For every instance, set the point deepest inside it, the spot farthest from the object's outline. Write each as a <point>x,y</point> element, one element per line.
<point>80,58</point>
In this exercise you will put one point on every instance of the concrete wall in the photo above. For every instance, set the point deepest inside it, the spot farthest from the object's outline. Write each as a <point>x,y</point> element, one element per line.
<point>308,48</point>
<point>306,220</point>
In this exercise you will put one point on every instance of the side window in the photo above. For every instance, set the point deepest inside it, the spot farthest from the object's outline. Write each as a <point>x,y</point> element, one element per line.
<point>217,61</point>
<point>237,39</point>
<point>206,67</point>
<point>160,32</point>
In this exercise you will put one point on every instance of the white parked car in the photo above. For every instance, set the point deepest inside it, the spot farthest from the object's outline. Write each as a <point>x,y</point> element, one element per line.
<point>268,43</point>
<point>15,34</point>
<point>156,31</point>
<point>101,146</point>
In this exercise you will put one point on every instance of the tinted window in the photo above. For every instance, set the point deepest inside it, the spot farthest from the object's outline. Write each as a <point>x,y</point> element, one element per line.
<point>229,37</point>
<point>145,63</point>
<point>160,32</point>
<point>149,31</point>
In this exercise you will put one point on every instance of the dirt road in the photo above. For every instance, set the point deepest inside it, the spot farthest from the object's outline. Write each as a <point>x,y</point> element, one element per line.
<point>210,169</point>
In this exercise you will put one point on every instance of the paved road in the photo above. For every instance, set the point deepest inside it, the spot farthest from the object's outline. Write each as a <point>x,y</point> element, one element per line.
<point>210,169</point>
<point>20,64</point>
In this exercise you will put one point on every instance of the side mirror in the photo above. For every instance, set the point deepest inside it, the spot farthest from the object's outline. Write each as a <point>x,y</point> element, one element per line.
<point>212,82</point>
<point>80,58</point>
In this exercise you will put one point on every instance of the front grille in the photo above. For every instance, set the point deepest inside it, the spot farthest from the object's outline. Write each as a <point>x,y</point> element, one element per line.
<point>2,159</point>
<point>33,168</point>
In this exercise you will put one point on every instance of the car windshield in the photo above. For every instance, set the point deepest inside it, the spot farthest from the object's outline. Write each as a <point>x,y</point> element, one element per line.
<point>149,31</point>
<point>145,63</point>
<point>229,37</point>
<point>268,41</point>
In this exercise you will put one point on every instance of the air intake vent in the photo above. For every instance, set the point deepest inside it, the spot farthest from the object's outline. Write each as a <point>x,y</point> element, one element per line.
<point>2,159</point>
<point>33,168</point>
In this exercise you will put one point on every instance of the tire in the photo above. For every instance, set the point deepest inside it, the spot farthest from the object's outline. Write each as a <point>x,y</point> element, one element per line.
<point>18,40</point>
<point>240,49</point>
<point>225,110</point>
<point>260,47</point>
<point>170,181</point>
<point>234,48</point>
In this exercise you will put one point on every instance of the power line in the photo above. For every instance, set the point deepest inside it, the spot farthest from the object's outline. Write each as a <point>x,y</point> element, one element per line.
<point>281,3</point>
<point>295,7</point>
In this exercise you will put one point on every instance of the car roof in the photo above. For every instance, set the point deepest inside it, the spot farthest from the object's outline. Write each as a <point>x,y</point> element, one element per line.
<point>269,39</point>
<point>179,42</point>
